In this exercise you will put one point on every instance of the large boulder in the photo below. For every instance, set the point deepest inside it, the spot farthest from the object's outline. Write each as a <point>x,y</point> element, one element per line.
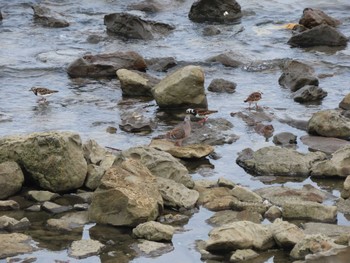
<point>315,17</point>
<point>329,123</point>
<point>183,88</point>
<point>11,179</point>
<point>239,235</point>
<point>127,196</point>
<point>297,75</point>
<point>161,164</point>
<point>277,161</point>
<point>134,27</point>
<point>221,11</point>
<point>49,18</point>
<point>322,35</point>
<point>337,165</point>
<point>105,65</point>
<point>54,160</point>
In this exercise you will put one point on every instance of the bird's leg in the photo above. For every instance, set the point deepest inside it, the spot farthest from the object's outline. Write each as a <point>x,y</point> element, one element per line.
<point>178,143</point>
<point>256,106</point>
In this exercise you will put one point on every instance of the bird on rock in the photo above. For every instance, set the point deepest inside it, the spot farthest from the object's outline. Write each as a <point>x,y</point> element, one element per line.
<point>254,98</point>
<point>202,114</point>
<point>180,132</point>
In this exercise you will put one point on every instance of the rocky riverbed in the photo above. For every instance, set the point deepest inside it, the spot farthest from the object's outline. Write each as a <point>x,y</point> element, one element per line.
<point>87,175</point>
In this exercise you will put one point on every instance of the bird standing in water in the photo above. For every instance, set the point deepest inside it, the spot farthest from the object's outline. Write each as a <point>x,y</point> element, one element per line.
<point>43,93</point>
<point>254,98</point>
<point>202,114</point>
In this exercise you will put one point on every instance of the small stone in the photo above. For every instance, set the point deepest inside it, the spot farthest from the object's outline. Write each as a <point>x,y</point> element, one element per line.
<point>85,248</point>
<point>226,183</point>
<point>241,255</point>
<point>55,208</point>
<point>42,196</point>
<point>111,130</point>
<point>8,205</point>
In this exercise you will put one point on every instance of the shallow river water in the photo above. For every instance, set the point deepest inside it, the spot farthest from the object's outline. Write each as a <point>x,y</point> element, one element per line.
<point>33,55</point>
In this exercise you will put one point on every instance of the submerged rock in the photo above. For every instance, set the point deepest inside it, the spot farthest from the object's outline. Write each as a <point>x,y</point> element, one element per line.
<point>222,85</point>
<point>327,145</point>
<point>48,18</point>
<point>105,65</point>
<point>162,64</point>
<point>11,178</point>
<point>135,122</point>
<point>134,27</point>
<point>14,244</point>
<point>10,224</point>
<point>42,196</point>
<point>285,139</point>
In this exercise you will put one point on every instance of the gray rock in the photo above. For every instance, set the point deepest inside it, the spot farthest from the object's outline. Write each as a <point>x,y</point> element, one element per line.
<point>222,85</point>
<point>85,248</point>
<point>10,224</point>
<point>285,139</point>
<point>49,18</point>
<point>135,83</point>
<point>73,221</point>
<point>153,249</point>
<point>343,205</point>
<point>176,195</point>
<point>162,64</point>
<point>242,255</point>
<point>224,182</point>
<point>161,164</point>
<point>331,230</point>
<point>312,244</point>
<point>136,122</point>
<point>131,26</point>
<point>42,196</point>
<point>93,152</point>
<point>11,178</point>
<point>154,231</point>
<point>229,59</point>
<point>327,145</point>
<point>216,198</point>
<point>173,91</point>
<point>105,65</point>
<point>14,244</point>
<point>277,161</point>
<point>329,123</point>
<point>54,160</point>
<point>215,11</point>
<point>337,165</point>
<point>314,17</point>
<point>148,6</point>
<point>211,31</point>
<point>286,234</point>
<point>228,216</point>
<point>297,75</point>
<point>55,208</point>
<point>94,176</point>
<point>246,195</point>
<point>309,93</point>
<point>127,196</point>
<point>239,235</point>
<point>345,193</point>
<point>345,103</point>
<point>322,35</point>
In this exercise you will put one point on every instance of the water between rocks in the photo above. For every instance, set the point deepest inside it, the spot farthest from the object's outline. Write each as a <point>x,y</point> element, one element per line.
<point>32,55</point>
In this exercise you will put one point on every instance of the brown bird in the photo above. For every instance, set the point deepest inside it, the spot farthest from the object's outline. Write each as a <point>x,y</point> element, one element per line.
<point>180,132</point>
<point>254,98</point>
<point>42,92</point>
<point>264,130</point>
<point>202,114</point>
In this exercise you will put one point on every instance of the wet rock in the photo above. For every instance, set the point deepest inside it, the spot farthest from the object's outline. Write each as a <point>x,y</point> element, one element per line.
<point>297,75</point>
<point>242,255</point>
<point>216,199</point>
<point>161,164</point>
<point>47,17</point>
<point>314,17</point>
<point>14,244</point>
<point>105,65</point>
<point>312,244</point>
<point>211,31</point>
<point>176,195</point>
<point>327,145</point>
<point>54,160</point>
<point>95,172</point>
<point>214,132</point>
<point>11,178</point>
<point>185,152</point>
<point>154,231</point>
<point>265,130</point>
<point>309,211</point>
<point>173,91</point>
<point>343,206</point>
<point>10,224</point>
<point>134,27</point>
<point>277,161</point>
<point>161,64</point>
<point>222,85</point>
<point>228,216</point>
<point>127,196</point>
<point>273,212</point>
<point>345,193</point>
<point>239,235</point>
<point>285,139</point>
<point>146,6</point>
<point>246,195</point>
<point>136,122</point>
<point>329,123</point>
<point>322,35</point>
<point>345,103</point>
<point>229,59</point>
<point>73,221</point>
<point>309,93</point>
<point>286,234</point>
<point>215,11</point>
<point>330,230</point>
<point>135,83</point>
<point>252,118</point>
<point>8,205</point>
<point>111,130</point>
<point>174,219</point>
<point>223,182</point>
<point>55,208</point>
<point>93,152</point>
<point>42,196</point>
<point>258,207</point>
<point>85,248</point>
<point>154,249</point>
<point>337,165</point>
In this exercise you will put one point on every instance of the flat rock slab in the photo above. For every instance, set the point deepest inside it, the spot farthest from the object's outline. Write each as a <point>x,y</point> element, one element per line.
<point>85,248</point>
<point>14,244</point>
<point>55,208</point>
<point>152,248</point>
<point>324,144</point>
<point>330,230</point>
<point>42,196</point>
